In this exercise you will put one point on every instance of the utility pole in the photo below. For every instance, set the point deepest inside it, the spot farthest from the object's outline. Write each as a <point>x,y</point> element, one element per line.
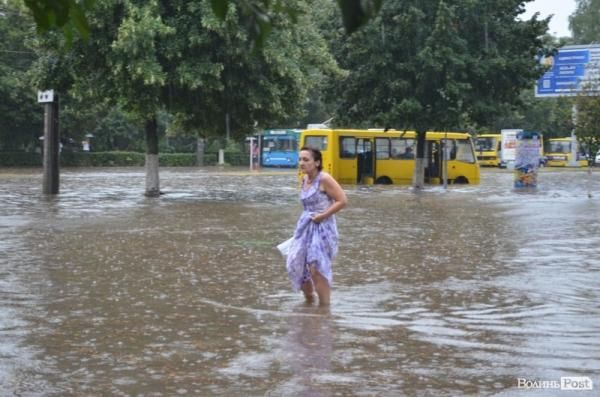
<point>574,150</point>
<point>50,181</point>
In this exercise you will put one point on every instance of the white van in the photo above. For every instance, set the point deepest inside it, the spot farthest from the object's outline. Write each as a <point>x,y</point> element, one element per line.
<point>509,148</point>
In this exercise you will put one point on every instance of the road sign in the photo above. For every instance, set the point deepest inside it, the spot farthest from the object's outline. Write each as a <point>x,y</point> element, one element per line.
<point>574,70</point>
<point>46,96</point>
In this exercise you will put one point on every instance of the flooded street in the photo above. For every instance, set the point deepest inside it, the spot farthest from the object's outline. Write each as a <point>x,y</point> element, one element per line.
<point>104,292</point>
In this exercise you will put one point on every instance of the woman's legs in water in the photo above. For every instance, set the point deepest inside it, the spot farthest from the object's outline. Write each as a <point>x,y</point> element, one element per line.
<point>321,285</point>
<point>309,291</point>
<point>307,285</point>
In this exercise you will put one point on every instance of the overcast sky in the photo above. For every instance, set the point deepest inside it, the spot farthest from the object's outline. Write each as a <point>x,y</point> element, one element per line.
<point>559,25</point>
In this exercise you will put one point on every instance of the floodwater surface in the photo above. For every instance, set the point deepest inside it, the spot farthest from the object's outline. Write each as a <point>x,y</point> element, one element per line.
<point>469,291</point>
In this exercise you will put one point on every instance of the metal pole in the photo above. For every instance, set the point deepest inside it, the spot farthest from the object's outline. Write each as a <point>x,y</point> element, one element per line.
<point>445,161</point>
<point>251,153</point>
<point>200,152</point>
<point>50,181</point>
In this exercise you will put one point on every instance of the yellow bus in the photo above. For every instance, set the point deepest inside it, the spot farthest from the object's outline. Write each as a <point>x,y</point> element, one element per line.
<point>559,153</point>
<point>388,157</point>
<point>488,147</point>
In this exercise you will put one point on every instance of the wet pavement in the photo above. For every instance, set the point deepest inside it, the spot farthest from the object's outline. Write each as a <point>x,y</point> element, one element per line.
<point>474,290</point>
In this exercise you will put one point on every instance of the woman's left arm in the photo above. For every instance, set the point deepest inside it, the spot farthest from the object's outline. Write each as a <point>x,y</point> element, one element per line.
<point>335,191</point>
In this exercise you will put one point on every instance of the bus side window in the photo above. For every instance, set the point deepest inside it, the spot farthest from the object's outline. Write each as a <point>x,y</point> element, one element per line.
<point>409,149</point>
<point>318,142</point>
<point>453,150</point>
<point>396,148</point>
<point>402,149</point>
<point>347,148</point>
<point>382,148</point>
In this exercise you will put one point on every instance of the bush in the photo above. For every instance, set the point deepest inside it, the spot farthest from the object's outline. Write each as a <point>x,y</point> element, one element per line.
<point>20,159</point>
<point>177,160</point>
<point>237,158</point>
<point>118,159</point>
<point>102,159</point>
<point>211,158</point>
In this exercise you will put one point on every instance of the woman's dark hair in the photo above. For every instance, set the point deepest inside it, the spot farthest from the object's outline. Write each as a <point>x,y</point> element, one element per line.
<point>316,155</point>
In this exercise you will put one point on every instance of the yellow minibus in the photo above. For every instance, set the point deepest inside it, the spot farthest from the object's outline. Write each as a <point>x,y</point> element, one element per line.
<point>388,157</point>
<point>488,147</point>
<point>559,153</point>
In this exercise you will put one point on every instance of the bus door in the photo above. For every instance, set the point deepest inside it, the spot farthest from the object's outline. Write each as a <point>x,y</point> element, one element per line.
<point>433,162</point>
<point>365,161</point>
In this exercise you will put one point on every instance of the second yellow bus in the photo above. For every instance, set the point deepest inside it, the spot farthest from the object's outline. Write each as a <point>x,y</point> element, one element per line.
<point>489,147</point>
<point>559,153</point>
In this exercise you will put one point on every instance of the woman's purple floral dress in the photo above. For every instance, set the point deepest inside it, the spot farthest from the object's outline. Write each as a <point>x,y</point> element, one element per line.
<point>314,243</point>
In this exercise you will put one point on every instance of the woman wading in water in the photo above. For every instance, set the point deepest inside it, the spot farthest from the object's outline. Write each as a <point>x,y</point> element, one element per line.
<point>315,241</point>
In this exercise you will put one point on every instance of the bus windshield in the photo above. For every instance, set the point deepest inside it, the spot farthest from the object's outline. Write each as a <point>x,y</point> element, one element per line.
<point>485,144</point>
<point>460,150</point>
<point>559,147</point>
<point>280,143</point>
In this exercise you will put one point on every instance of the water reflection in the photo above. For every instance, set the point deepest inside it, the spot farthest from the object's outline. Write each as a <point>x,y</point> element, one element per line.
<point>444,293</point>
<point>301,356</point>
<point>308,346</point>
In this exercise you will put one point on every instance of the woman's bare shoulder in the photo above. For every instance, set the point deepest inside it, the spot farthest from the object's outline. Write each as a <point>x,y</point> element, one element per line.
<point>328,179</point>
<point>325,177</point>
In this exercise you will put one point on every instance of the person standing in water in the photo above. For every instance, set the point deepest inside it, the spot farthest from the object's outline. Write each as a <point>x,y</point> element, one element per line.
<point>315,241</point>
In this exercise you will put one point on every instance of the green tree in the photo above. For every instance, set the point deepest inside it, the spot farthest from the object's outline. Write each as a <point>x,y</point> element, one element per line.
<point>20,114</point>
<point>586,29</point>
<point>69,15</point>
<point>252,89</point>
<point>587,124</point>
<point>436,64</point>
<point>550,116</point>
<point>177,56</point>
<point>258,15</point>
<point>116,131</point>
<point>584,22</point>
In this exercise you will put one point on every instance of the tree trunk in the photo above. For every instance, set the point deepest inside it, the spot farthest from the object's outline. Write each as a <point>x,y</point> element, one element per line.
<point>152,180</point>
<point>419,175</point>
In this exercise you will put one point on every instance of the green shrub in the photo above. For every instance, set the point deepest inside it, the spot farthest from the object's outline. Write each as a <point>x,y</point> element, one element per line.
<point>177,159</point>
<point>211,158</point>
<point>20,159</point>
<point>102,159</point>
<point>117,159</point>
<point>237,158</point>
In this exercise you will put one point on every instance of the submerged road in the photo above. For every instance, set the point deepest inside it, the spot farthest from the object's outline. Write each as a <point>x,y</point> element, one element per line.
<point>470,291</point>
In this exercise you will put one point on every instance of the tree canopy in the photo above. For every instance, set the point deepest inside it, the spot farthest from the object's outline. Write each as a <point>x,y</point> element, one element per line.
<point>20,118</point>
<point>586,30</point>
<point>179,56</point>
<point>437,64</point>
<point>584,22</point>
<point>258,15</point>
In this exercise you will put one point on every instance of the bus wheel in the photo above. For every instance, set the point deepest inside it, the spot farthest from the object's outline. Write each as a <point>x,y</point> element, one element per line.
<point>461,180</point>
<point>383,180</point>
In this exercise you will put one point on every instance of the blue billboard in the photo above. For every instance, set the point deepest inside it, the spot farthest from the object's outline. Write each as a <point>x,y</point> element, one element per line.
<point>573,70</point>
